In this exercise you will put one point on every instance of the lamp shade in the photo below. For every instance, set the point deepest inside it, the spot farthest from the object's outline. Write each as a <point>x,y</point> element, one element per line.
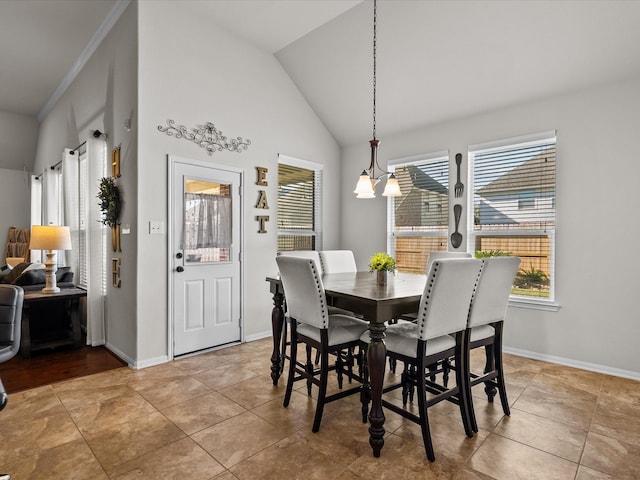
<point>392,189</point>
<point>364,188</point>
<point>49,237</point>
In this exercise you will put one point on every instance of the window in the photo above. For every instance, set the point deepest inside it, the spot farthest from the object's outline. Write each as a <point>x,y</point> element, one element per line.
<point>207,221</point>
<point>418,220</point>
<point>513,205</point>
<point>83,217</point>
<point>36,211</point>
<point>526,200</point>
<point>299,189</point>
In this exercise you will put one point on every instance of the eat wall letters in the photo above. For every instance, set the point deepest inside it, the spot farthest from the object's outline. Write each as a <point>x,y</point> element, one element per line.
<point>262,203</point>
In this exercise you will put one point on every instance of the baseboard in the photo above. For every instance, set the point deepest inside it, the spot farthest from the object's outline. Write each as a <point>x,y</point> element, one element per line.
<point>150,362</point>
<point>165,358</point>
<point>121,355</point>
<point>258,336</point>
<point>137,364</point>
<point>592,367</point>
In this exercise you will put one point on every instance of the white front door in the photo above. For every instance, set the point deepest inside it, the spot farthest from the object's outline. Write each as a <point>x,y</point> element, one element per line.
<point>205,241</point>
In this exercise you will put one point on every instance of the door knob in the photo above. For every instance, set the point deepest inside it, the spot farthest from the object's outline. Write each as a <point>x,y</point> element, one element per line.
<point>180,269</point>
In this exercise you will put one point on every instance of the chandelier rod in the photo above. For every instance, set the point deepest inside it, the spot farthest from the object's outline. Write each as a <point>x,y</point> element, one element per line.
<point>375,43</point>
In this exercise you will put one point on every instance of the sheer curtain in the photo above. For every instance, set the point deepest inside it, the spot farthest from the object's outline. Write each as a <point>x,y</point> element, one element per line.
<point>82,171</point>
<point>96,242</point>
<point>207,221</point>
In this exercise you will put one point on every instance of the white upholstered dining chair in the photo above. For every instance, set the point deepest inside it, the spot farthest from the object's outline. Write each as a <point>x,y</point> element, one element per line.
<point>311,254</point>
<point>485,325</point>
<point>338,261</point>
<point>313,326</point>
<point>439,333</point>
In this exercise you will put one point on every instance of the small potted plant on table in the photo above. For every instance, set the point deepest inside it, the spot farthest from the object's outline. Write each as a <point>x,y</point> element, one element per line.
<point>382,263</point>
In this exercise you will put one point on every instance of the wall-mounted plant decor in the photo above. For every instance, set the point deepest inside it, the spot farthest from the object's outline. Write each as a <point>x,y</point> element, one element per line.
<point>110,206</point>
<point>207,136</point>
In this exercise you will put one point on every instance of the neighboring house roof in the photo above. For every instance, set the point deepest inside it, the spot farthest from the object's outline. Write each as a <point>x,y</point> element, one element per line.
<point>521,178</point>
<point>416,178</point>
<point>418,190</point>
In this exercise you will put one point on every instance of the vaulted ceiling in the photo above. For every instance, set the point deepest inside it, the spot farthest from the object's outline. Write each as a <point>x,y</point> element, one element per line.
<point>437,59</point>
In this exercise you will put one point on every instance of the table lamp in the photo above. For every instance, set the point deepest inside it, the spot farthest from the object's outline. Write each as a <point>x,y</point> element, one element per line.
<point>50,238</point>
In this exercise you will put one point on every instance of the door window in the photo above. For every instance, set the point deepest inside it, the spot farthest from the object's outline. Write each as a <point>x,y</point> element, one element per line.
<point>207,222</point>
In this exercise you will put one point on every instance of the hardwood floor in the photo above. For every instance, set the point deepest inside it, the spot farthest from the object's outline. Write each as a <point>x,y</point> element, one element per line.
<point>51,366</point>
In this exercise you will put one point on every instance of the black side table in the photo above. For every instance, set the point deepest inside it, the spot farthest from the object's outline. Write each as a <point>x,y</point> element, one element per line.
<point>51,332</point>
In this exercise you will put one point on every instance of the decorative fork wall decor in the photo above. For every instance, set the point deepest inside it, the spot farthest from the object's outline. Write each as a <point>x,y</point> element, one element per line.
<point>458,187</point>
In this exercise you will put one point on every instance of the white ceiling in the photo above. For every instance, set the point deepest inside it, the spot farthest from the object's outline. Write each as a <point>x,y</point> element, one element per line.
<point>440,60</point>
<point>437,59</point>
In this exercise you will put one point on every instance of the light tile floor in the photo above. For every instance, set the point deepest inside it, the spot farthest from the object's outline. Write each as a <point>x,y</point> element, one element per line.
<point>218,416</point>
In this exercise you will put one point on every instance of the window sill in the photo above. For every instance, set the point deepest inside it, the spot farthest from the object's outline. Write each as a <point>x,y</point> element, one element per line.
<point>546,305</point>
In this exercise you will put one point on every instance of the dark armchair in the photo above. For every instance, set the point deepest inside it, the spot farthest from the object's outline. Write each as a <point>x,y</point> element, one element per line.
<point>11,298</point>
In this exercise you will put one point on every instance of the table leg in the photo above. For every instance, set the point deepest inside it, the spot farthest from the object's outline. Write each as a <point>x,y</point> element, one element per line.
<point>75,322</point>
<point>376,359</point>
<point>25,333</point>
<point>277,322</point>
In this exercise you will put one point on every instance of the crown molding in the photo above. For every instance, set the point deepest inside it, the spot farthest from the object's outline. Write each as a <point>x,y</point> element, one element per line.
<point>97,38</point>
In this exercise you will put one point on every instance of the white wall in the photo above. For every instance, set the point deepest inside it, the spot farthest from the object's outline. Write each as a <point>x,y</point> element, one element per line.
<point>193,73</point>
<point>18,137</point>
<point>597,198</point>
<point>14,204</point>
<point>103,96</point>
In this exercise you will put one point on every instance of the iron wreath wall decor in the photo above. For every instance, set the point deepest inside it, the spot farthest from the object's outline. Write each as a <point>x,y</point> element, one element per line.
<point>207,136</point>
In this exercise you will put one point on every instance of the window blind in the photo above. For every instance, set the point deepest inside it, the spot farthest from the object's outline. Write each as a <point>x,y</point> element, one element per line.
<point>298,207</point>
<point>514,192</point>
<point>420,216</point>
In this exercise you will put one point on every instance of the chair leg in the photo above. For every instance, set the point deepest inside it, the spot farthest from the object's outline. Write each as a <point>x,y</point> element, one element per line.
<point>392,365</point>
<point>408,382</point>
<point>339,368</point>
<point>463,391</point>
<point>424,416</point>
<point>350,362</point>
<point>310,369</point>
<point>293,356</point>
<point>466,378</point>
<point>446,368</point>
<point>432,373</point>
<point>413,372</point>
<point>322,391</point>
<point>285,342</point>
<point>502,390</point>
<point>490,365</point>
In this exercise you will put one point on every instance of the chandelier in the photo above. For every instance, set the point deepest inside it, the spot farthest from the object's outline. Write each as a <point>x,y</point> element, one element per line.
<point>368,180</point>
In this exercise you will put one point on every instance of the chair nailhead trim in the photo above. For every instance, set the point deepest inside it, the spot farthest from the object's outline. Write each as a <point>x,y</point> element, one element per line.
<point>321,294</point>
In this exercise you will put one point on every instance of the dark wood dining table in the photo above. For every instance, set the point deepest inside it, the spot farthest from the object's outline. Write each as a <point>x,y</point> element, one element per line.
<point>359,293</point>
